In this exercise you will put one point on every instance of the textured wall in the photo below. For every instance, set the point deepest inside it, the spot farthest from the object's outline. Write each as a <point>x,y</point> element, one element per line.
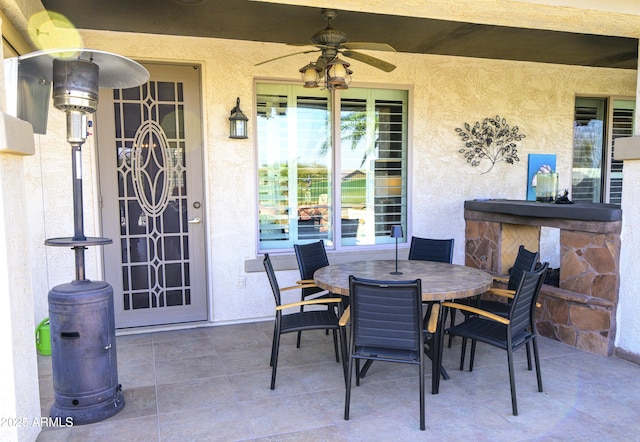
<point>446,93</point>
<point>629,304</point>
<point>628,337</point>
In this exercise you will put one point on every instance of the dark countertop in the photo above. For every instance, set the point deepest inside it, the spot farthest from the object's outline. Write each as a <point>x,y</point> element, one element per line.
<point>576,211</point>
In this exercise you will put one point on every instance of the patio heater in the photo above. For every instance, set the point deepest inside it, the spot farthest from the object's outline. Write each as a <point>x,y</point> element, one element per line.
<point>81,313</point>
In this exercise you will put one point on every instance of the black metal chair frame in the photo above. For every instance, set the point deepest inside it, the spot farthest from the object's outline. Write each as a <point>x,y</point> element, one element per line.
<point>301,320</point>
<point>525,262</point>
<point>311,257</point>
<point>511,333</point>
<point>386,325</point>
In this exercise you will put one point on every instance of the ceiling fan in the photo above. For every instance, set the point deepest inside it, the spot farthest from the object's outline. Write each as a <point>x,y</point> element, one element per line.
<point>331,42</point>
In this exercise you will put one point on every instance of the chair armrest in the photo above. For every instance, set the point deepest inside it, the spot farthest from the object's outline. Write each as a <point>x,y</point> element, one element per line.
<point>296,287</point>
<point>306,281</point>
<point>477,311</point>
<point>346,316</point>
<point>500,278</point>
<point>505,293</point>
<point>310,302</point>
<point>432,324</point>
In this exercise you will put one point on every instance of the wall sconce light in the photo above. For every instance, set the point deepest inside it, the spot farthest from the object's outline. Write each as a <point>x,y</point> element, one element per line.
<point>237,122</point>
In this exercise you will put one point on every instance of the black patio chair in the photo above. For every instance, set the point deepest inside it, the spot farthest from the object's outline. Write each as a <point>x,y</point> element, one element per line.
<point>438,250</point>
<point>311,257</point>
<point>526,261</point>
<point>510,333</point>
<point>386,325</point>
<point>428,249</point>
<point>301,320</point>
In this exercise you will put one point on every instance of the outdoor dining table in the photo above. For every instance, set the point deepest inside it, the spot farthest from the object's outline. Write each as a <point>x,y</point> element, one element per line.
<point>440,282</point>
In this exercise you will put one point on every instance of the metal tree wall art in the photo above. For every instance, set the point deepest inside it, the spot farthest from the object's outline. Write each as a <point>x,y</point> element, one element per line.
<point>493,140</point>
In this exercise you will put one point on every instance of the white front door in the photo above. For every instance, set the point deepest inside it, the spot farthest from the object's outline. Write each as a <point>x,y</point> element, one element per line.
<point>149,142</point>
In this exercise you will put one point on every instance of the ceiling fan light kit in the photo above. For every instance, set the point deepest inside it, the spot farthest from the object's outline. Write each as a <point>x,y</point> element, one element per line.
<point>338,74</point>
<point>310,75</point>
<point>330,43</point>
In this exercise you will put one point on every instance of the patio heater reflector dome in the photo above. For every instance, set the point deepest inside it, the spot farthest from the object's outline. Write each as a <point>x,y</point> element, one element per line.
<point>75,85</point>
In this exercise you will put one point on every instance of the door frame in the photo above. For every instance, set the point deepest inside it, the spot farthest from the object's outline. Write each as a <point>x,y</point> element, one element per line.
<point>105,135</point>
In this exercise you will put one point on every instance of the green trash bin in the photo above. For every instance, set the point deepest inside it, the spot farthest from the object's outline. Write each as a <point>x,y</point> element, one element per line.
<point>43,337</point>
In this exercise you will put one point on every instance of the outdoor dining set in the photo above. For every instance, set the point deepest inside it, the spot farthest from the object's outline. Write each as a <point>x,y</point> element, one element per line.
<point>401,311</point>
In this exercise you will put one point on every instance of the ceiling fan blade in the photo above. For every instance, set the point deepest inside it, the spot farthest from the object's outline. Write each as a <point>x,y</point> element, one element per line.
<point>367,45</point>
<point>285,56</point>
<point>373,61</point>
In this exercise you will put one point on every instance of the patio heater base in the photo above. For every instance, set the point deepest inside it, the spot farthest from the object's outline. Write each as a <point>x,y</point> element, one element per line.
<point>83,344</point>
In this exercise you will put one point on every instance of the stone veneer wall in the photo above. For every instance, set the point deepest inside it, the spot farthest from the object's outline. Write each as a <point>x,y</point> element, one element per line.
<point>580,313</point>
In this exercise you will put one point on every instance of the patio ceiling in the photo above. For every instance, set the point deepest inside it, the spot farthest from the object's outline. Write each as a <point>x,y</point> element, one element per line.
<point>279,23</point>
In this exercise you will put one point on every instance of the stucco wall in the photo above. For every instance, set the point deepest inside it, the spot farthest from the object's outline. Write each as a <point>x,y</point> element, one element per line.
<point>628,338</point>
<point>446,93</point>
<point>629,303</point>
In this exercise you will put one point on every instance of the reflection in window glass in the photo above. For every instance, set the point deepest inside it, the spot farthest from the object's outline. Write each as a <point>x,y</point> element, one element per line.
<point>588,139</point>
<point>301,171</point>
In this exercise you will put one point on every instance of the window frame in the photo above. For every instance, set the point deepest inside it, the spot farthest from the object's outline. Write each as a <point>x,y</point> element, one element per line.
<point>334,98</point>
<point>609,141</point>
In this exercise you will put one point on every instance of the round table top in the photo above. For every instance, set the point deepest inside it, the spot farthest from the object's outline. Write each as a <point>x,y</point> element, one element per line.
<point>440,281</point>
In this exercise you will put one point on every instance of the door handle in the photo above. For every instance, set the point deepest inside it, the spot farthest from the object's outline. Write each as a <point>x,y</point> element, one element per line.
<point>196,220</point>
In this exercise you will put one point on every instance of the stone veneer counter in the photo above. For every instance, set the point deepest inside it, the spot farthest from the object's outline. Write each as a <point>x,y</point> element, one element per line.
<point>581,311</point>
<point>583,217</point>
<point>576,211</point>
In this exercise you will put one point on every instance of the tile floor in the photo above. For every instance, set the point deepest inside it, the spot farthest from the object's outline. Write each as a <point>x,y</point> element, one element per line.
<point>213,384</point>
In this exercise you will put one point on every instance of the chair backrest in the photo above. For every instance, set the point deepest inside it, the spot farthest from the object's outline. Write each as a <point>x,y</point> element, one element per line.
<point>386,314</point>
<point>521,314</point>
<point>271,274</point>
<point>311,257</point>
<point>525,262</point>
<point>427,249</point>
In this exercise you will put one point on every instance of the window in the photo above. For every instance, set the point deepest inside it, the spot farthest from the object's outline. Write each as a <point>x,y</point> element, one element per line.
<point>331,167</point>
<point>597,177</point>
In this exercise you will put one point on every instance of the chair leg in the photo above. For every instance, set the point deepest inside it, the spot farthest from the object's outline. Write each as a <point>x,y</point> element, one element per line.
<point>529,367</point>
<point>347,397</point>
<point>436,369</point>
<point>438,348</point>
<point>335,345</point>
<point>463,351</point>
<point>536,357</point>
<point>512,380</point>
<point>435,346</point>
<point>365,369</point>
<point>274,368</point>
<point>343,348</point>
<point>473,354</point>
<point>273,349</point>
<point>452,312</point>
<point>421,373</point>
